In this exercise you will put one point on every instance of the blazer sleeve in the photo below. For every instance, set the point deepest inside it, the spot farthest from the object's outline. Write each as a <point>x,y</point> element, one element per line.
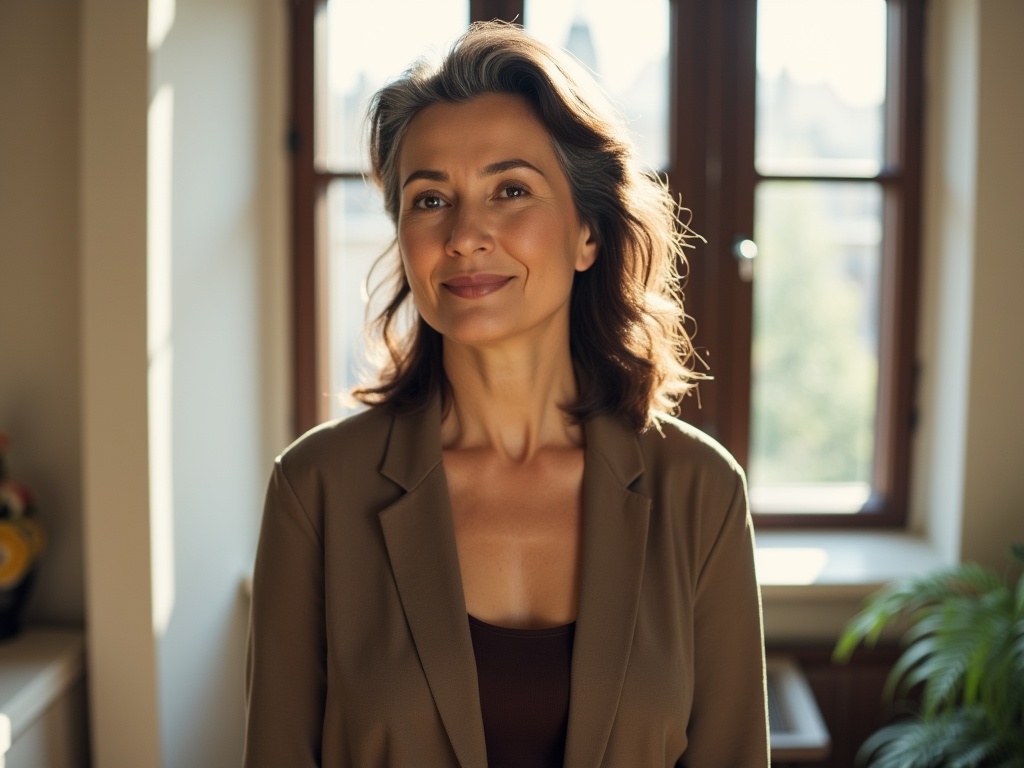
<point>729,721</point>
<point>285,684</point>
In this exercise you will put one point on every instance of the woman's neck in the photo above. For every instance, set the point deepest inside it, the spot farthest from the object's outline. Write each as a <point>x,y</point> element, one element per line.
<point>508,401</point>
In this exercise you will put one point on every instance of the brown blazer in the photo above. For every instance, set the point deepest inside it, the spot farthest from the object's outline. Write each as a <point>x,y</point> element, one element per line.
<point>360,652</point>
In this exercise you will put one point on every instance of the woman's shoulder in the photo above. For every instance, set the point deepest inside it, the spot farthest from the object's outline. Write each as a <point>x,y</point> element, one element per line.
<point>694,482</point>
<point>359,438</point>
<point>670,444</point>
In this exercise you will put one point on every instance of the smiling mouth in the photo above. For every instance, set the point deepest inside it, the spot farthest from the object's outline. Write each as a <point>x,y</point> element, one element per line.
<point>475,286</point>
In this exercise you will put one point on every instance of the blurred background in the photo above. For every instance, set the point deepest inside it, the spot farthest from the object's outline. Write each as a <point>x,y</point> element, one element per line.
<point>185,243</point>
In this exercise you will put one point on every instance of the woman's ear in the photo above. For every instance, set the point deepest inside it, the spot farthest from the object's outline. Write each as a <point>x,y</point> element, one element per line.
<point>587,253</point>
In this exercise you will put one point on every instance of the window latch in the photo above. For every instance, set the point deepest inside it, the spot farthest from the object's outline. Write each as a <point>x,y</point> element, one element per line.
<point>745,251</point>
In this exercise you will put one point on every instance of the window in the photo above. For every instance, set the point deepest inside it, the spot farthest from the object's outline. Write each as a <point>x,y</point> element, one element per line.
<point>811,344</point>
<point>790,124</point>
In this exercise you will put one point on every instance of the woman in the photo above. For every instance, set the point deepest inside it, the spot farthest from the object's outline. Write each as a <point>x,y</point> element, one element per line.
<point>511,557</point>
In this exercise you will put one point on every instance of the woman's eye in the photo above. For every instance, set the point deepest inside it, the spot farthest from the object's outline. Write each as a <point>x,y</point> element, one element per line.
<point>428,202</point>
<point>513,190</point>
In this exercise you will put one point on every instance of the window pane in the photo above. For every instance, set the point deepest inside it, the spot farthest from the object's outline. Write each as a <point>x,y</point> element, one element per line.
<point>820,87</point>
<point>357,232</point>
<point>628,49</point>
<point>365,47</point>
<point>815,347</point>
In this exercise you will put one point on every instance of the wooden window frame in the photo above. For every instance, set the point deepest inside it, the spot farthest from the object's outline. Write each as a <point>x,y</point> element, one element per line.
<point>712,113</point>
<point>715,176</point>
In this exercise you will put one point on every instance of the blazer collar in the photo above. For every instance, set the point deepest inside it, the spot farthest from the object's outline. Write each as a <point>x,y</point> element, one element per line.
<point>615,521</point>
<point>420,540</point>
<point>414,446</point>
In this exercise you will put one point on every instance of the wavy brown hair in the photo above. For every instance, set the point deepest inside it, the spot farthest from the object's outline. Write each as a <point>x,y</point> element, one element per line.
<point>629,347</point>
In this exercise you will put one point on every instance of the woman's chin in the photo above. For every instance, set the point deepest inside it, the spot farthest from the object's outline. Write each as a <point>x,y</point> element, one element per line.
<point>503,333</point>
<point>478,336</point>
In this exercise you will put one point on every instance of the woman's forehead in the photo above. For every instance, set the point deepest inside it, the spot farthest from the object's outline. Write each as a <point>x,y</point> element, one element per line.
<point>476,131</point>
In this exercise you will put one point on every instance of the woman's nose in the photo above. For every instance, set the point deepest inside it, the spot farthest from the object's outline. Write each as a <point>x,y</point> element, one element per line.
<point>470,233</point>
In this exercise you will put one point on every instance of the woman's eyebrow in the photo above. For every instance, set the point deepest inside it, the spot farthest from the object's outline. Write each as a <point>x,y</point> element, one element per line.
<point>425,174</point>
<point>492,169</point>
<point>506,165</point>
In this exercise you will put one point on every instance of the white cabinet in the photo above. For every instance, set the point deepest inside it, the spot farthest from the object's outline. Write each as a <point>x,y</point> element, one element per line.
<point>43,720</point>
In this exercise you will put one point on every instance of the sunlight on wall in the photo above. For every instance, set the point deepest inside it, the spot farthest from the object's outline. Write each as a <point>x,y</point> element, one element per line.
<point>790,565</point>
<point>161,351</point>
<point>161,19</point>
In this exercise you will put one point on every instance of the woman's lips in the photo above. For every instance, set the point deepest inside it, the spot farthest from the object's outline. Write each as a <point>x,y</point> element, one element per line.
<point>475,286</point>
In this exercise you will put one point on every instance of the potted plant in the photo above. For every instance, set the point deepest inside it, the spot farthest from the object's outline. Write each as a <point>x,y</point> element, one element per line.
<point>964,660</point>
<point>22,542</point>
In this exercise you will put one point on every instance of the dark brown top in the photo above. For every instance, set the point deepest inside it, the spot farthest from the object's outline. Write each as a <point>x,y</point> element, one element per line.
<point>523,676</point>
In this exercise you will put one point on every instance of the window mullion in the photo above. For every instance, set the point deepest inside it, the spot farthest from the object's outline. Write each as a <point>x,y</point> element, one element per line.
<point>714,151</point>
<point>505,10</point>
<point>690,98</point>
<point>900,265</point>
<point>738,52</point>
<point>305,331</point>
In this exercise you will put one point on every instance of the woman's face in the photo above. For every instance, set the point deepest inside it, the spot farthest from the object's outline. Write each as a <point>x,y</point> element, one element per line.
<point>488,232</point>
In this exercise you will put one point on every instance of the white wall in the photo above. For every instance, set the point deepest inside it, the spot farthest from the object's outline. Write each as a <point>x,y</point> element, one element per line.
<point>206,84</point>
<point>40,407</point>
<point>115,471</point>
<point>993,493</point>
<point>183,153</point>
<point>968,453</point>
<point>121,263</point>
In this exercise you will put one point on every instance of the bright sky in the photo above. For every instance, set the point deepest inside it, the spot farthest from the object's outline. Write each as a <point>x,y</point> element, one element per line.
<point>839,41</point>
<point>625,41</point>
<point>367,36</point>
<point>626,36</point>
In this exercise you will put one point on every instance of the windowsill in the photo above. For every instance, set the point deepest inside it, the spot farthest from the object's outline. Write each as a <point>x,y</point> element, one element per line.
<point>812,582</point>
<point>840,564</point>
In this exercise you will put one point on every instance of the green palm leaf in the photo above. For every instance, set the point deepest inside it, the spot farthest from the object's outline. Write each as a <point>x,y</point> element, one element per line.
<point>964,652</point>
<point>958,739</point>
<point>903,599</point>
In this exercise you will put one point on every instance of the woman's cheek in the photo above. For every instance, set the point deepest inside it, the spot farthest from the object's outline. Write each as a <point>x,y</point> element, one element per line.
<point>417,273</point>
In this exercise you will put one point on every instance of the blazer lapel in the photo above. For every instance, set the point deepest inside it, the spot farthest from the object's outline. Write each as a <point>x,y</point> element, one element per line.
<point>615,523</point>
<point>420,540</point>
